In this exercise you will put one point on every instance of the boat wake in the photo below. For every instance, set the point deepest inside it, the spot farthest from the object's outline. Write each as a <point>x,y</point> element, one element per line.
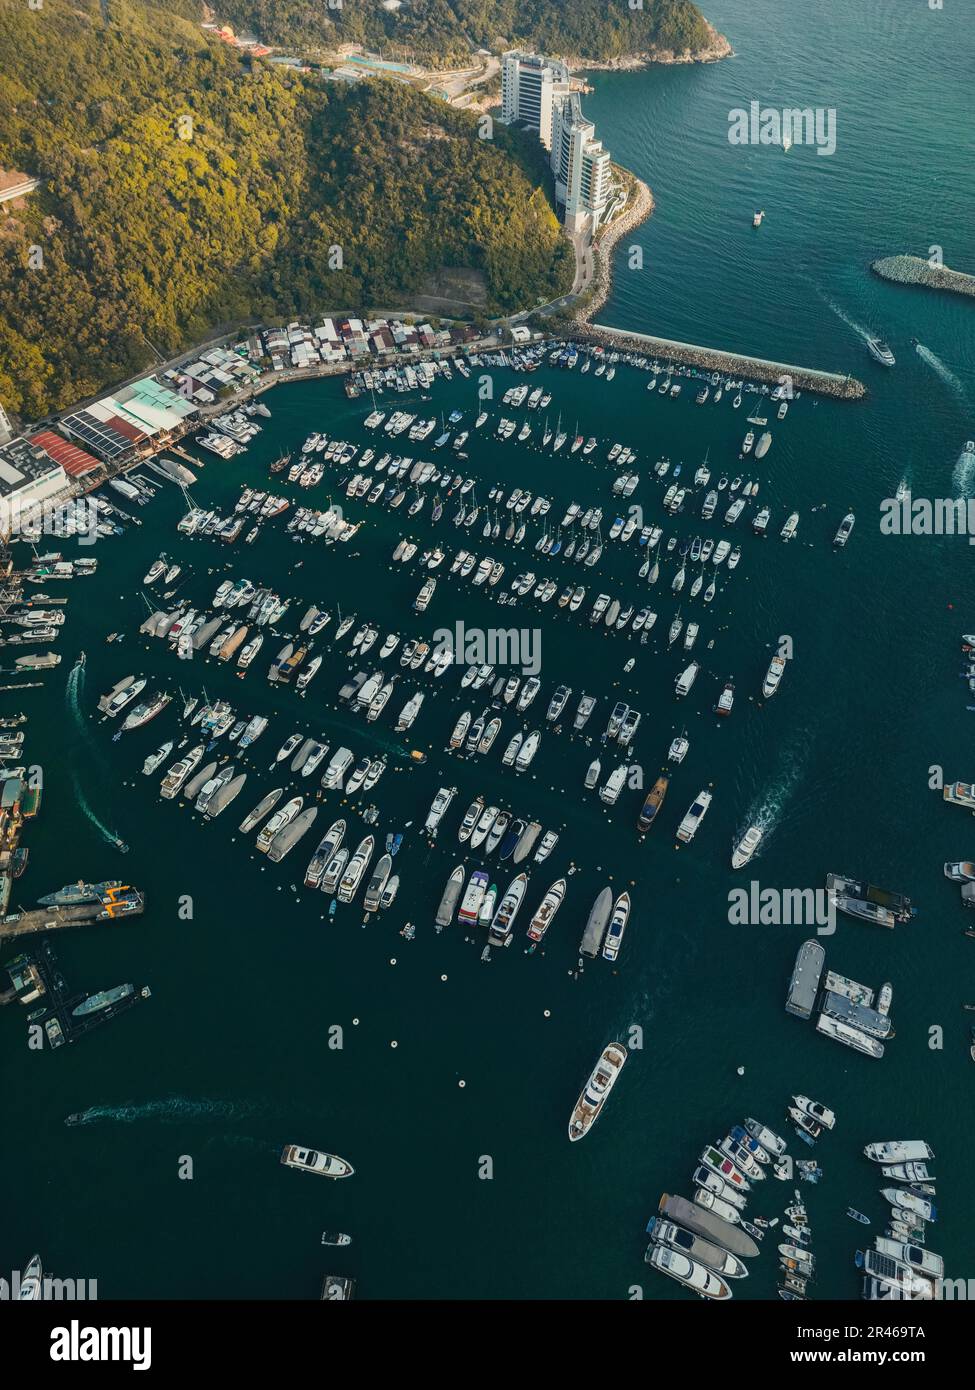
<point>945,373</point>
<point>170,1110</point>
<point>73,695</point>
<point>963,476</point>
<point>767,810</point>
<point>841,313</point>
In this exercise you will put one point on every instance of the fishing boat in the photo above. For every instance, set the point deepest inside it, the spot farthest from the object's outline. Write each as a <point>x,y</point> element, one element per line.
<point>596,1091</point>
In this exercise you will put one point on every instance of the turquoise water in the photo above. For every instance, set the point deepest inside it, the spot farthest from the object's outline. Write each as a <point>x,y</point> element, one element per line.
<point>232,1058</point>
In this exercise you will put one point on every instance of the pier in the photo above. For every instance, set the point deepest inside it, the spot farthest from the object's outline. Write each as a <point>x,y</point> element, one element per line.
<point>846,388</point>
<point>44,919</point>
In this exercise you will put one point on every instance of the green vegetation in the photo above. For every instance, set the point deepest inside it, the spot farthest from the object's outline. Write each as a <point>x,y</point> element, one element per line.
<point>439,32</point>
<point>186,188</point>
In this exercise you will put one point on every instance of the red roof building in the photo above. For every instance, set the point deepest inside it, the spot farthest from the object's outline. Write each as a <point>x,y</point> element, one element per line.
<point>75,462</point>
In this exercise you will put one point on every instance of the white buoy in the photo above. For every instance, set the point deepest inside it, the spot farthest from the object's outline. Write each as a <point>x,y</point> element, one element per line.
<point>394,1043</point>
<point>741,1071</point>
<point>546,1013</point>
<point>461,1084</point>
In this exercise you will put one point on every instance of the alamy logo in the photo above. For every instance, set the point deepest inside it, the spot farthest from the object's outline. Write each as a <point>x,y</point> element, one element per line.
<point>756,906</point>
<point>77,1343</point>
<point>763,125</point>
<point>51,1289</point>
<point>907,515</point>
<point>493,646</point>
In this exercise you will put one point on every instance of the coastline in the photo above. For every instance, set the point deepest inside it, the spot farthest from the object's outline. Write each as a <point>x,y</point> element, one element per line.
<point>719,47</point>
<point>640,208</point>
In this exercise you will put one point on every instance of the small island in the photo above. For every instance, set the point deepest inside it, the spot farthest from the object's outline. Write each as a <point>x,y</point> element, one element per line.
<point>915,270</point>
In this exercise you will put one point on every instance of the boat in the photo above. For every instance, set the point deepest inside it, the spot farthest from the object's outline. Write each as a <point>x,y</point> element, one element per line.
<point>502,924</point>
<point>790,527</point>
<point>726,700</point>
<point>688,1272</point>
<point>278,822</point>
<point>696,812</point>
<point>595,928</point>
<point>327,848</point>
<point>763,445</point>
<point>668,1233</point>
<point>768,1139</point>
<point>355,869</point>
<point>155,759</point>
<point>843,533</point>
<point>773,676</point>
<point>912,1202</point>
<point>617,926</point>
<point>700,1218</point>
<point>545,913</point>
<point>596,1091</point>
<point>820,1113</point>
<point>653,803</point>
<point>313,1161</point>
<point>899,1151</point>
<point>686,679</point>
<point>286,839</point>
<point>881,353</point>
<point>746,847</point>
<point>855,1215</point>
<point>451,894</point>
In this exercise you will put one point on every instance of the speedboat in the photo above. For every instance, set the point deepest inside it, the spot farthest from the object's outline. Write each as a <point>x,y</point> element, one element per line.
<point>821,1113</point>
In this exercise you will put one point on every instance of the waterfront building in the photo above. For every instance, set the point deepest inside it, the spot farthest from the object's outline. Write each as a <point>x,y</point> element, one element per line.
<point>531,87</point>
<point>536,93</point>
<point>28,477</point>
<point>580,165</point>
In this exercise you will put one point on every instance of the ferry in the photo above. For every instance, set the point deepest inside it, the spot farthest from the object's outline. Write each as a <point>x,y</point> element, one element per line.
<point>313,1161</point>
<point>601,1082</point>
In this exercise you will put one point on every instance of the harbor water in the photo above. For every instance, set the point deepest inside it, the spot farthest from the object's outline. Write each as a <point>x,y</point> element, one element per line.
<point>447,1081</point>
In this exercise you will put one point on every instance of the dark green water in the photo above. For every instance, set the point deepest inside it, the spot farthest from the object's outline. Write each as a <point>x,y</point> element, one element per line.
<point>231,1057</point>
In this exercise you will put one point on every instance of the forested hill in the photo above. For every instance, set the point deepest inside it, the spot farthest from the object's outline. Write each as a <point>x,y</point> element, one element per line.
<point>442,31</point>
<point>184,188</point>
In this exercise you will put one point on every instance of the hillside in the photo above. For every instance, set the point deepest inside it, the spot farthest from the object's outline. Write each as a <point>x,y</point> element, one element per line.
<point>439,32</point>
<point>183,190</point>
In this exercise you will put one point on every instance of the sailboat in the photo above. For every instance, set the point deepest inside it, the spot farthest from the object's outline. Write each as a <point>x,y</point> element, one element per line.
<point>546,437</point>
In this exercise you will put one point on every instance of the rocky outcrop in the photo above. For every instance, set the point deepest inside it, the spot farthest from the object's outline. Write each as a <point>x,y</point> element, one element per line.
<point>914,270</point>
<point>716,48</point>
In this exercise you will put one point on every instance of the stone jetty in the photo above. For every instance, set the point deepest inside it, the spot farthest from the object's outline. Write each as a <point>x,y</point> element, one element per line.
<point>914,270</point>
<point>733,364</point>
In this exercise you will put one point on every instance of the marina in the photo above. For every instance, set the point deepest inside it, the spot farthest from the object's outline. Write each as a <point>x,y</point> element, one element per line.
<point>283,1013</point>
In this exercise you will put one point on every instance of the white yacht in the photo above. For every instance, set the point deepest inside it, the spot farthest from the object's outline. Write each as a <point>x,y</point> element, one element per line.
<point>597,1088</point>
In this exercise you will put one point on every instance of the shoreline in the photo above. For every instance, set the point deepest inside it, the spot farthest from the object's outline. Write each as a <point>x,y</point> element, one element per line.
<point>718,48</point>
<point>639,211</point>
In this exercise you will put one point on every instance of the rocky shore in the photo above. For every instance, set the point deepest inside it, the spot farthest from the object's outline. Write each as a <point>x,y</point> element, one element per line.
<point>716,48</point>
<point>735,365</point>
<point>914,270</point>
<point>638,209</point>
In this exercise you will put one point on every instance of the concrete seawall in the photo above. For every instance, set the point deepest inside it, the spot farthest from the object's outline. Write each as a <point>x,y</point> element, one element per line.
<point>734,364</point>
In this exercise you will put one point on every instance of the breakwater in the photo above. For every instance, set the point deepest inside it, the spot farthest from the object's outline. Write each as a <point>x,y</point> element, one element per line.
<point>846,388</point>
<point>914,270</point>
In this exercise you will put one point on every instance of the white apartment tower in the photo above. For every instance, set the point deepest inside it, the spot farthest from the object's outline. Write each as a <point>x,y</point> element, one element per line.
<point>580,165</point>
<point>531,87</point>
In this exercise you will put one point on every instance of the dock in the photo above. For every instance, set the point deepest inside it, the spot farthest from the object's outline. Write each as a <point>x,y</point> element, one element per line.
<point>804,984</point>
<point>45,919</point>
<point>735,364</point>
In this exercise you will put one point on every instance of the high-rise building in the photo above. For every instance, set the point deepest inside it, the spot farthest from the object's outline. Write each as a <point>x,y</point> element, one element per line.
<point>580,165</point>
<point>530,89</point>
